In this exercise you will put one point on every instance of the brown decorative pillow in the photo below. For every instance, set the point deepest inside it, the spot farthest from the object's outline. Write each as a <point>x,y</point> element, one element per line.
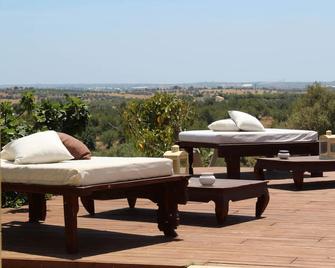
<point>78,149</point>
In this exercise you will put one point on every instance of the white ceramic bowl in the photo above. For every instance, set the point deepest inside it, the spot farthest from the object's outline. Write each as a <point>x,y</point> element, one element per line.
<point>283,154</point>
<point>207,179</point>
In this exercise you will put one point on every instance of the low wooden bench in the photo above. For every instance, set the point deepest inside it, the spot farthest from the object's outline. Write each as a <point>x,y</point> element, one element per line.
<point>225,190</point>
<point>297,165</point>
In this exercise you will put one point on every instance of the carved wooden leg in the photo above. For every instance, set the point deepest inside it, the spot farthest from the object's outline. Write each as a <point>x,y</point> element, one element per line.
<point>262,203</point>
<point>131,201</point>
<point>233,166</point>
<point>37,207</point>
<point>167,215</point>
<point>221,210</point>
<point>71,208</point>
<point>259,172</point>
<point>88,204</point>
<point>298,177</point>
<point>317,174</point>
<point>189,150</point>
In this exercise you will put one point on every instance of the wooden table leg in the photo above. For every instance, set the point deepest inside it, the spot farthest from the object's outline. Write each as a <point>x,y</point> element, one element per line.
<point>88,204</point>
<point>259,172</point>
<point>37,207</point>
<point>298,178</point>
<point>167,215</point>
<point>189,150</point>
<point>131,201</point>
<point>221,209</point>
<point>71,208</point>
<point>317,174</point>
<point>262,203</point>
<point>233,166</point>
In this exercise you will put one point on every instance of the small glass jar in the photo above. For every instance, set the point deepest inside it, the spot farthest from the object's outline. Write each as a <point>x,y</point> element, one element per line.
<point>283,154</point>
<point>207,179</point>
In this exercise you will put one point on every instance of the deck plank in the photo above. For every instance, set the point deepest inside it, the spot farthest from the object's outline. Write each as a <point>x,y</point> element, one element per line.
<point>296,230</point>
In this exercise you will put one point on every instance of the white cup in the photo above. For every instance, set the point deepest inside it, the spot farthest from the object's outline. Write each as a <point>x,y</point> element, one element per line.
<point>283,154</point>
<point>207,179</point>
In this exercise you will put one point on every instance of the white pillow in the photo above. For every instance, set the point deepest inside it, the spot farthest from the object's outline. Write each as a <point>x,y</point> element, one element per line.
<point>224,125</point>
<point>41,147</point>
<point>246,121</point>
<point>6,153</point>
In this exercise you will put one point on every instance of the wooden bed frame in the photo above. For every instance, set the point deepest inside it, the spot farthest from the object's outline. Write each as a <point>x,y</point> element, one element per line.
<point>233,152</point>
<point>167,192</point>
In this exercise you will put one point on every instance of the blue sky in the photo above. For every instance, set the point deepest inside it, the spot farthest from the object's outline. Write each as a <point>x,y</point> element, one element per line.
<point>166,41</point>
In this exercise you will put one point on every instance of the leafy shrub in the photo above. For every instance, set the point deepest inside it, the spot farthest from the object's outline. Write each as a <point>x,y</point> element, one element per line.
<point>28,116</point>
<point>314,110</point>
<point>153,124</point>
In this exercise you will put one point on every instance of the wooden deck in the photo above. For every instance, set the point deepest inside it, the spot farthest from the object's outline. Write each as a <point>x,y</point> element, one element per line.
<point>296,230</point>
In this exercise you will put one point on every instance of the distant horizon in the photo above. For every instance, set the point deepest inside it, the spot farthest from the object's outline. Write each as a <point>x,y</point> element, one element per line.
<point>285,85</point>
<point>166,42</point>
<point>162,83</point>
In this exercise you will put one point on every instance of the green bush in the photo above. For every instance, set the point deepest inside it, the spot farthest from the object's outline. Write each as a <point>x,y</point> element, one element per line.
<point>29,116</point>
<point>153,125</point>
<point>314,110</point>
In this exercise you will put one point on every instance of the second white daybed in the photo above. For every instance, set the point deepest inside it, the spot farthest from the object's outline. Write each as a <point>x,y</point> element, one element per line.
<point>234,144</point>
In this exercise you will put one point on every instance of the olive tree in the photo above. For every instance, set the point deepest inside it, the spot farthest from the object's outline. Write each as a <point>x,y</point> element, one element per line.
<point>314,110</point>
<point>153,124</point>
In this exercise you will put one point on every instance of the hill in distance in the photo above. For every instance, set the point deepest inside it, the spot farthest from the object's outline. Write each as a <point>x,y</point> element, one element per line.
<point>137,86</point>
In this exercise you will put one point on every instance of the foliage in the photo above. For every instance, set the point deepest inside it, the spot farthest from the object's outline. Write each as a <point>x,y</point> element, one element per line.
<point>70,116</point>
<point>277,106</point>
<point>13,199</point>
<point>107,120</point>
<point>13,121</point>
<point>153,124</point>
<point>314,110</point>
<point>105,127</point>
<point>28,116</point>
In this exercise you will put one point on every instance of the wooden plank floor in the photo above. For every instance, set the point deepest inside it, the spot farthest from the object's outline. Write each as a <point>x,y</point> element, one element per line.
<point>297,230</point>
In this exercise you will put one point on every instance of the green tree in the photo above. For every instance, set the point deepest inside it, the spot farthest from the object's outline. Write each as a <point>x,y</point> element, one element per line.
<point>70,116</point>
<point>153,124</point>
<point>12,124</point>
<point>314,110</point>
<point>17,120</point>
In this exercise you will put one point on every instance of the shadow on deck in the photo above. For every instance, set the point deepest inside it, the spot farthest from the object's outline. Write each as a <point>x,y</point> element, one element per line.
<point>296,230</point>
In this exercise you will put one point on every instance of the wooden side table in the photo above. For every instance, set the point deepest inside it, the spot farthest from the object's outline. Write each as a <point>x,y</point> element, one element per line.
<point>225,190</point>
<point>297,165</point>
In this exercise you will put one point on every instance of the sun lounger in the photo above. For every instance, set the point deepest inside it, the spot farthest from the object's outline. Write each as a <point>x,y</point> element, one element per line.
<point>234,144</point>
<point>98,178</point>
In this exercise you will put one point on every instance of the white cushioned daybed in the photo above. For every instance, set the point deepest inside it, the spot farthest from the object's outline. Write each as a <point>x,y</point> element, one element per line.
<point>244,135</point>
<point>235,144</point>
<point>97,170</point>
<point>240,137</point>
<point>41,163</point>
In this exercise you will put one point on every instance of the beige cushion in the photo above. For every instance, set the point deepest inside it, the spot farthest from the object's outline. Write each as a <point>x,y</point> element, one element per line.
<point>40,147</point>
<point>245,121</point>
<point>6,153</point>
<point>224,125</point>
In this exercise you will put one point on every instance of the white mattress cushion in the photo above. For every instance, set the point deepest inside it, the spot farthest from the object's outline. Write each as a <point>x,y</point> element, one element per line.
<point>244,137</point>
<point>223,125</point>
<point>87,172</point>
